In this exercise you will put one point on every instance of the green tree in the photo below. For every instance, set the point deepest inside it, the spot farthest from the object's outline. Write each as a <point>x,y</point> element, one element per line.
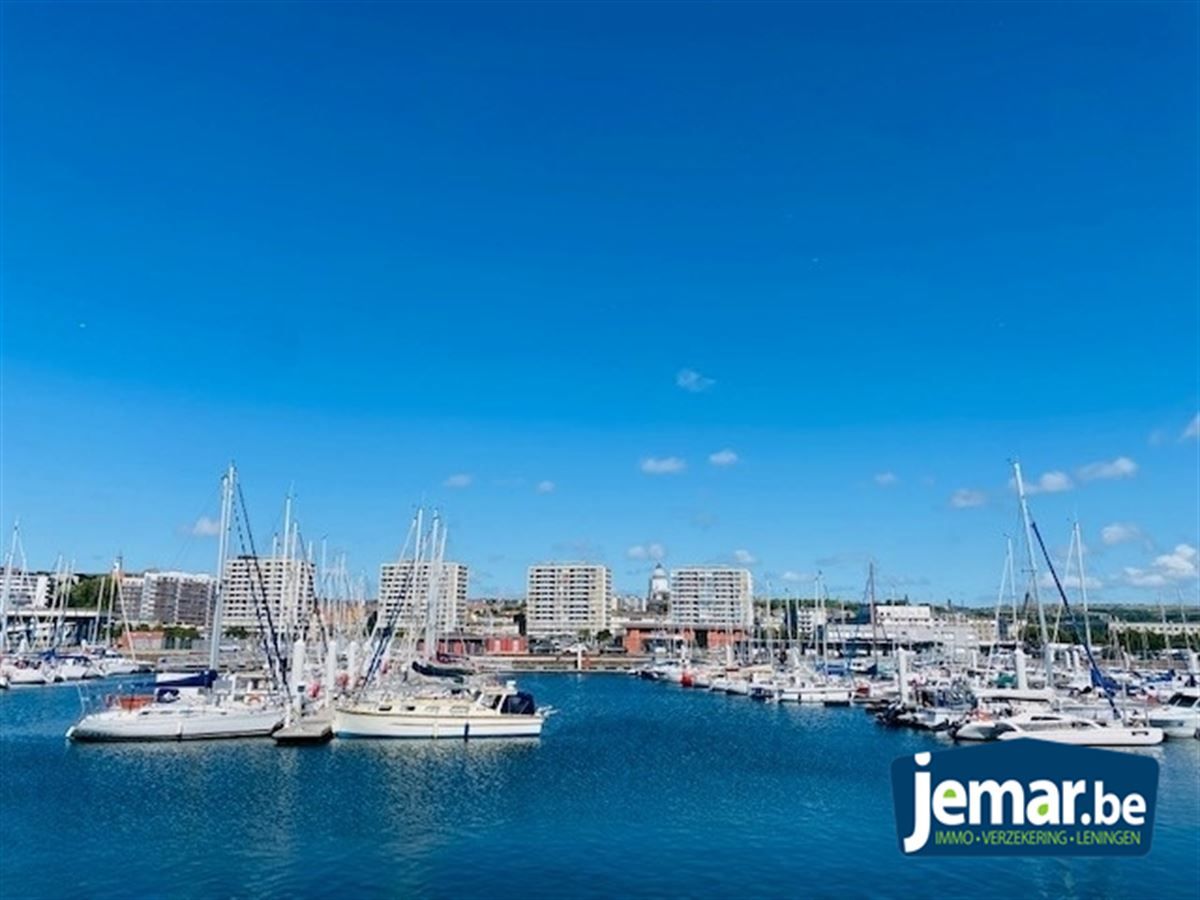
<point>88,591</point>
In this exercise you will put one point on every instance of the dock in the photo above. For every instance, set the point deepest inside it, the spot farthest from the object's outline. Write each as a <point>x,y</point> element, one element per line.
<point>306,730</point>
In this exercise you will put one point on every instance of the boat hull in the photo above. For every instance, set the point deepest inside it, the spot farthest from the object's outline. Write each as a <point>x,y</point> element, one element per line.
<point>176,724</point>
<point>348,723</point>
<point>1114,737</point>
<point>1177,726</point>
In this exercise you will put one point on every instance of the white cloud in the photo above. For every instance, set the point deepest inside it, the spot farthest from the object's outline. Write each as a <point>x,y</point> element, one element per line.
<point>1192,432</point>
<point>965,498</point>
<point>1121,467</point>
<point>459,480</point>
<point>886,479</point>
<point>1178,565</point>
<point>723,458</point>
<point>789,575</point>
<point>691,380</point>
<point>1142,578</point>
<point>652,551</point>
<point>1050,483</point>
<point>545,487</point>
<point>667,465</point>
<point>1119,533</point>
<point>1071,581</point>
<point>745,557</point>
<point>206,527</point>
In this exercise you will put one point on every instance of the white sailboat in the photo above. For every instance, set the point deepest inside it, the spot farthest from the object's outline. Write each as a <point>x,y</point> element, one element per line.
<point>177,714</point>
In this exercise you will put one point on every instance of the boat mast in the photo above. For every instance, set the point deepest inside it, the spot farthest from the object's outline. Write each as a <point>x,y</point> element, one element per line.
<point>437,544</point>
<point>1047,649</point>
<point>227,486</point>
<point>1087,618</point>
<point>1162,611</point>
<point>6,587</point>
<point>874,617</point>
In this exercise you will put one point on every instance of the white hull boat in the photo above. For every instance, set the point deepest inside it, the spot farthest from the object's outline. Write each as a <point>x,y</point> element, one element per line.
<point>490,713</point>
<point>1179,717</point>
<point>25,675</point>
<point>1066,729</point>
<point>178,721</point>
<point>76,668</point>
<point>120,665</point>
<point>818,694</point>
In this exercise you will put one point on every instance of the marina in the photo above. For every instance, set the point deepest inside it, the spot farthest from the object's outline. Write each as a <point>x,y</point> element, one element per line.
<point>632,451</point>
<point>636,788</point>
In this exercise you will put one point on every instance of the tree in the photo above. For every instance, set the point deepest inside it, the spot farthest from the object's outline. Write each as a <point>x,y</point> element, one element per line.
<point>87,592</point>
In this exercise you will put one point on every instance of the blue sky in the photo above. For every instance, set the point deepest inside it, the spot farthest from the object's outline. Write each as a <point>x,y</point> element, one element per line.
<point>469,255</point>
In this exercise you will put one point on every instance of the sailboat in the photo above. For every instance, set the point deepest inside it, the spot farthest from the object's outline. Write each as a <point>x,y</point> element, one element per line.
<point>238,707</point>
<point>1053,722</point>
<point>402,696</point>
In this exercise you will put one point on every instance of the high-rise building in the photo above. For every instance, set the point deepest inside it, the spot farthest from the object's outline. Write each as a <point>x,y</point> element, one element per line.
<point>406,585</point>
<point>129,595</point>
<point>712,597</point>
<point>170,598</point>
<point>285,585</point>
<point>567,598</point>
<point>27,589</point>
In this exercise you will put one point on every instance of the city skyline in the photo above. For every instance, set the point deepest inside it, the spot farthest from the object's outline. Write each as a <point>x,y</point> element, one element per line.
<point>609,284</point>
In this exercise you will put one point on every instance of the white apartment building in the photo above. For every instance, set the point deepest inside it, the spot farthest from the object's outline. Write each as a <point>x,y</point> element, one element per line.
<point>27,589</point>
<point>567,598</point>
<point>168,598</point>
<point>808,620</point>
<point>406,585</point>
<point>712,597</point>
<point>129,596</point>
<point>918,615</point>
<point>1167,629</point>
<point>286,585</point>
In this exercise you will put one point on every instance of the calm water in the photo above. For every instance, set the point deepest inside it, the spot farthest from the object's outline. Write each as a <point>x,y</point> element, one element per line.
<point>636,789</point>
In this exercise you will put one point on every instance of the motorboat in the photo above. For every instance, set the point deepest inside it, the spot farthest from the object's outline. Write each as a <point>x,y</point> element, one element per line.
<point>1179,717</point>
<point>489,711</point>
<point>1062,728</point>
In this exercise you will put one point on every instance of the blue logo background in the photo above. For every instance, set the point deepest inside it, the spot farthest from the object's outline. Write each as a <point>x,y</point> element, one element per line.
<point>1024,761</point>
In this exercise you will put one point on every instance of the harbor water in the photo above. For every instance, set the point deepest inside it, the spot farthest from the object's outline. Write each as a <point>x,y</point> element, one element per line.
<point>636,789</point>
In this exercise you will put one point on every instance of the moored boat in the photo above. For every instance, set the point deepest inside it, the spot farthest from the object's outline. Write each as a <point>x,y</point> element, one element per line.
<point>491,711</point>
<point>1179,717</point>
<point>1067,729</point>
